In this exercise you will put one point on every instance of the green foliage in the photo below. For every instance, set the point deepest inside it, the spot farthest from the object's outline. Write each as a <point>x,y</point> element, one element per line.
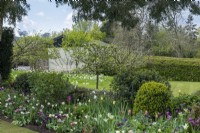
<point>6,53</point>
<point>22,84</point>
<point>152,97</point>
<point>127,83</point>
<point>184,101</point>
<point>49,86</point>
<point>196,111</point>
<point>177,69</point>
<point>31,50</point>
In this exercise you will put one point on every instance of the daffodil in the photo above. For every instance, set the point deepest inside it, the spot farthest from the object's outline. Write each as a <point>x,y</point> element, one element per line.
<point>185,126</point>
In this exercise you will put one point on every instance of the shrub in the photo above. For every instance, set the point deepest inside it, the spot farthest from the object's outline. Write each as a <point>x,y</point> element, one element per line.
<point>196,111</point>
<point>177,69</point>
<point>49,86</point>
<point>152,97</point>
<point>184,101</point>
<point>6,53</point>
<point>127,83</point>
<point>22,84</point>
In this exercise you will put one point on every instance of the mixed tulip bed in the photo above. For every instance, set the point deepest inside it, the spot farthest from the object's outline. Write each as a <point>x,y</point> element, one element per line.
<point>98,113</point>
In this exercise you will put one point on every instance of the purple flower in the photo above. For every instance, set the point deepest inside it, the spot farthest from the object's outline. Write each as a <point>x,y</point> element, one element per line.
<point>169,117</point>
<point>192,121</point>
<point>69,98</point>
<point>17,110</point>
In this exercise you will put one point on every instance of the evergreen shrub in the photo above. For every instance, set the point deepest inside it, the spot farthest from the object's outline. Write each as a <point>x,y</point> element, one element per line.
<point>176,69</point>
<point>127,83</point>
<point>6,53</point>
<point>153,97</point>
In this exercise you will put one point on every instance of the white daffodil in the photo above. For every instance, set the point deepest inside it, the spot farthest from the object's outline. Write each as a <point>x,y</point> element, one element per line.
<point>185,126</point>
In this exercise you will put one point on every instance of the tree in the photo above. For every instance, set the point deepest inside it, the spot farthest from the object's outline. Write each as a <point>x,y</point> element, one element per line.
<point>124,11</point>
<point>96,57</point>
<point>82,33</point>
<point>32,49</point>
<point>12,11</point>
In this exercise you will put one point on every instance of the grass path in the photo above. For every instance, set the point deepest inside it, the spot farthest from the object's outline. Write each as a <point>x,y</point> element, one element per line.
<point>6,127</point>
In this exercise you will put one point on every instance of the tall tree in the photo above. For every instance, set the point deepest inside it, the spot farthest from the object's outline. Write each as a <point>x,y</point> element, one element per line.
<point>124,11</point>
<point>12,11</point>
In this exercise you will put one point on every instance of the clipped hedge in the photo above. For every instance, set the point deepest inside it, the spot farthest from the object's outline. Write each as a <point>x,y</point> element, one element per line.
<point>177,69</point>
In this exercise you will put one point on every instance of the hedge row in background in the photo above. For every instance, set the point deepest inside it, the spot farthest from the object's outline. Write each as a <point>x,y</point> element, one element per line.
<point>177,69</point>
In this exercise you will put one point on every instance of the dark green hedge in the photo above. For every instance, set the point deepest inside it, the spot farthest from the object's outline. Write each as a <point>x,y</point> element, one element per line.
<point>177,69</point>
<point>6,52</point>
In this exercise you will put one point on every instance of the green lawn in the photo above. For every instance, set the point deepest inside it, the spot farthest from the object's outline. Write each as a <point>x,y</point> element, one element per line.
<point>89,81</point>
<point>6,127</point>
<point>184,87</point>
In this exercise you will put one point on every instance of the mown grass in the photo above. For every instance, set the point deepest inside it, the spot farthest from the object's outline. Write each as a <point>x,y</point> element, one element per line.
<point>6,127</point>
<point>89,81</point>
<point>184,87</point>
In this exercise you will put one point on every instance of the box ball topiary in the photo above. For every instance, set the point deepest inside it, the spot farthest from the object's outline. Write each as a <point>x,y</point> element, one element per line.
<point>152,97</point>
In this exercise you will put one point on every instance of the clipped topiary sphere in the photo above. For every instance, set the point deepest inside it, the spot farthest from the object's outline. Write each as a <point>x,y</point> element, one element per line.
<point>153,97</point>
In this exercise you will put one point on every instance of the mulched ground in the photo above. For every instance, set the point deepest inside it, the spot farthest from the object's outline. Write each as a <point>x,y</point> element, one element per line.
<point>40,129</point>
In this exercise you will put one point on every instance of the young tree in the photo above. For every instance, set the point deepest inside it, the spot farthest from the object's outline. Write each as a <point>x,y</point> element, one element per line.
<point>32,49</point>
<point>82,33</point>
<point>96,57</point>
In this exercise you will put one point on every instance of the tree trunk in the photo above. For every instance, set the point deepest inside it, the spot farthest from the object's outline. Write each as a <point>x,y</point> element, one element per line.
<point>1,31</point>
<point>1,28</point>
<point>97,81</point>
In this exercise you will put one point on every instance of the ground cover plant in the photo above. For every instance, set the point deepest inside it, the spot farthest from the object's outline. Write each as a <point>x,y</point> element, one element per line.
<point>84,110</point>
<point>98,112</point>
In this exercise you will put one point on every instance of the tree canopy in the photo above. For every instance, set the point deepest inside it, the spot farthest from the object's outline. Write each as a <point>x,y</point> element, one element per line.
<point>12,11</point>
<point>126,11</point>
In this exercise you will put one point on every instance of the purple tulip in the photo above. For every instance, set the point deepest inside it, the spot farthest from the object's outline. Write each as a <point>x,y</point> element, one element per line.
<point>69,98</point>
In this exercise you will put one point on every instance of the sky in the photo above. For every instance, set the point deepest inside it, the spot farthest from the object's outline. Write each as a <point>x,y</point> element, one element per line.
<point>44,16</point>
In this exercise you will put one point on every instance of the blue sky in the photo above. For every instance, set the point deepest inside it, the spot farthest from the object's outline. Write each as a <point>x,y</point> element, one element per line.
<point>44,16</point>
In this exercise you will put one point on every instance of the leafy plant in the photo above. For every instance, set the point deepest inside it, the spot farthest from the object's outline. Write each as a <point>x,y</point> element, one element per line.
<point>127,83</point>
<point>22,84</point>
<point>152,97</point>
<point>49,86</point>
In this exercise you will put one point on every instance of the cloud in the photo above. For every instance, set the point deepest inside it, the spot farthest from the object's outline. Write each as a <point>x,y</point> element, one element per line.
<point>40,14</point>
<point>68,20</point>
<point>27,24</point>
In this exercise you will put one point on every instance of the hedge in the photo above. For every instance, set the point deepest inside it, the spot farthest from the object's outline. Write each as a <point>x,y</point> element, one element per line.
<point>6,52</point>
<point>177,69</point>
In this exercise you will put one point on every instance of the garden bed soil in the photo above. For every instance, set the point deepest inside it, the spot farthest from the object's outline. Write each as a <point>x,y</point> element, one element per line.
<point>40,129</point>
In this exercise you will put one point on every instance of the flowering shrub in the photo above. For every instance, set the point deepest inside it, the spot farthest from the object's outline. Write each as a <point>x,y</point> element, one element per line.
<point>184,101</point>
<point>99,113</point>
